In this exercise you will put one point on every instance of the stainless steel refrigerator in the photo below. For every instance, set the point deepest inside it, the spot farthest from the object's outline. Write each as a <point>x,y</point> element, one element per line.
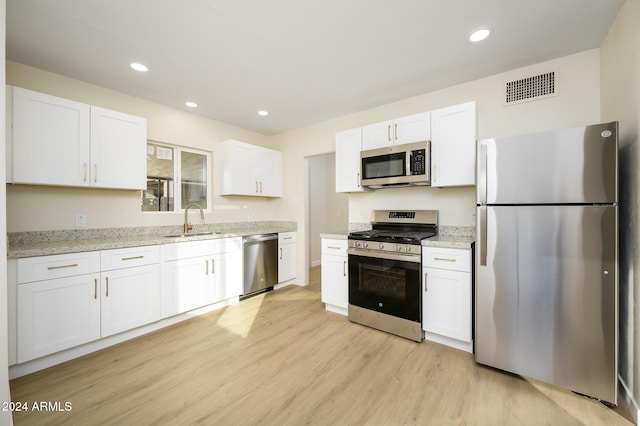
<point>546,295</point>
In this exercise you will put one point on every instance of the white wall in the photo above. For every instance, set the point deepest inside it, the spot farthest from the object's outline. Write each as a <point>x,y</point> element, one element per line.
<point>5,416</point>
<point>578,103</point>
<point>620,64</point>
<point>328,210</point>
<point>34,208</point>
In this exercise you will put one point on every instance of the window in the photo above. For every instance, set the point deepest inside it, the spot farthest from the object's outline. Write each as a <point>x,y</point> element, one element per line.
<point>176,177</point>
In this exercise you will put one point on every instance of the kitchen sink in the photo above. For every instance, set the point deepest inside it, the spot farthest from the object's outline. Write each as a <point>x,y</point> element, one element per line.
<point>191,234</point>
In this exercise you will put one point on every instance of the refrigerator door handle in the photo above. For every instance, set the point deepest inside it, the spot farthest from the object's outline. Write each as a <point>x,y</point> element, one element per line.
<point>482,210</point>
<point>482,174</point>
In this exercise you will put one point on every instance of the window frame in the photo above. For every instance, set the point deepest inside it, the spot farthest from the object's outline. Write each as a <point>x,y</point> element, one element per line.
<point>177,151</point>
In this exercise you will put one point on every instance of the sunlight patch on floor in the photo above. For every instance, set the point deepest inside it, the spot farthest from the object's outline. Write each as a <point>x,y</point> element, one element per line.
<point>242,328</point>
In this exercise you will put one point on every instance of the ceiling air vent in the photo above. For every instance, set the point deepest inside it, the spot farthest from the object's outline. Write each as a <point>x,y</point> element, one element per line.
<point>531,88</point>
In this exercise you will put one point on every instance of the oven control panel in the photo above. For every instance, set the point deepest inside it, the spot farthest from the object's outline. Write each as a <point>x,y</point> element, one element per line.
<point>386,247</point>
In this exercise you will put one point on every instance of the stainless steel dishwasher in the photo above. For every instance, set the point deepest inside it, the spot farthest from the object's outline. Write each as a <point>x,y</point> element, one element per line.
<point>260,263</point>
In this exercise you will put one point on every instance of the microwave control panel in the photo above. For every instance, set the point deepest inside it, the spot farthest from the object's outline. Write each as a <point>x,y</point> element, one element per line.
<point>418,162</point>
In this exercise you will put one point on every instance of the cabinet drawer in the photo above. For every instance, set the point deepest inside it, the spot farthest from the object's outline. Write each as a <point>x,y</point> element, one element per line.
<point>335,247</point>
<point>446,258</point>
<point>286,237</point>
<point>57,266</point>
<point>129,257</point>
<point>190,249</point>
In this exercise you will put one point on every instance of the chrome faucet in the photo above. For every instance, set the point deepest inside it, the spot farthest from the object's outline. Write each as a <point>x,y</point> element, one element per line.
<point>187,226</point>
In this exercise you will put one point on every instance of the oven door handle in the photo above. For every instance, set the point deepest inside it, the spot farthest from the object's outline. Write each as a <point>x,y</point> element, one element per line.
<point>389,256</point>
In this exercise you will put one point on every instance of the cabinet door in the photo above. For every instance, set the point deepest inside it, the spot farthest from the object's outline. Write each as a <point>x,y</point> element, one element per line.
<point>187,284</point>
<point>286,262</point>
<point>57,314</point>
<point>348,147</point>
<point>226,269</point>
<point>453,145</point>
<point>413,128</point>
<point>118,150</point>
<point>378,135</point>
<point>335,280</point>
<point>130,298</point>
<point>50,140</point>
<point>268,169</point>
<point>446,303</point>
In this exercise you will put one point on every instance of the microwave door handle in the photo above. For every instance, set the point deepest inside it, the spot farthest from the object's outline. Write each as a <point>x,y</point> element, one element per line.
<point>407,163</point>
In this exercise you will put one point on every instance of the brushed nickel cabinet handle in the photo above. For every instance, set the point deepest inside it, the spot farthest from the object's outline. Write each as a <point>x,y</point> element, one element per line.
<point>132,258</point>
<point>95,288</point>
<point>107,280</point>
<point>261,187</point>
<point>334,247</point>
<point>425,282</point>
<point>53,268</point>
<point>95,173</point>
<point>213,266</point>
<point>389,133</point>
<point>207,264</point>
<point>84,173</point>
<point>444,259</point>
<point>344,268</point>
<point>358,180</point>
<point>256,187</point>
<point>287,238</point>
<point>280,253</point>
<point>395,131</point>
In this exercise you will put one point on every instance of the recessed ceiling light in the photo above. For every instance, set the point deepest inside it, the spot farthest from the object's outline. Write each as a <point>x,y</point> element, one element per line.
<point>479,34</point>
<point>191,104</point>
<point>263,113</point>
<point>139,67</point>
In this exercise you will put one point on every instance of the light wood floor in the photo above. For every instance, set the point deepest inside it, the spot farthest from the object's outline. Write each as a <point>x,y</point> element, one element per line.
<point>281,359</point>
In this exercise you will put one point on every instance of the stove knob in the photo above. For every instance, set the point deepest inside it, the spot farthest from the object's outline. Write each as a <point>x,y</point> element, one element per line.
<point>408,249</point>
<point>365,244</point>
<point>398,247</point>
<point>357,243</point>
<point>381,246</point>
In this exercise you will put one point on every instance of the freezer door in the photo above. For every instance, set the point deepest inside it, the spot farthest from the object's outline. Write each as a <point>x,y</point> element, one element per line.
<point>574,166</point>
<point>546,295</point>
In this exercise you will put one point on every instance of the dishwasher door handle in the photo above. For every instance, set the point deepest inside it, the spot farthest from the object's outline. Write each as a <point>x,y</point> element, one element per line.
<point>258,238</point>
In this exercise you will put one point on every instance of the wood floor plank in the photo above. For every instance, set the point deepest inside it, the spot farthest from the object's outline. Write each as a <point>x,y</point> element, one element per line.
<point>281,359</point>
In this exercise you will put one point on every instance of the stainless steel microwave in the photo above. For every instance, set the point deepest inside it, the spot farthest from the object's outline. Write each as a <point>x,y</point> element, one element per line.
<point>396,166</point>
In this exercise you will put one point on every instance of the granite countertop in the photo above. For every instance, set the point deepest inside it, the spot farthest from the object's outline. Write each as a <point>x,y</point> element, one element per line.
<point>449,237</point>
<point>30,244</point>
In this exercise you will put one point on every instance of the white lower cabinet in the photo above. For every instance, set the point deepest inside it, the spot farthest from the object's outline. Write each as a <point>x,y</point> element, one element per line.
<point>447,297</point>
<point>129,288</point>
<point>57,314</point>
<point>200,273</point>
<point>335,275</point>
<point>58,303</point>
<point>286,256</point>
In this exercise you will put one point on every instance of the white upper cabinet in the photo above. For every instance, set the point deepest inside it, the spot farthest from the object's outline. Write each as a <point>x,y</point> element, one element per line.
<point>348,147</point>
<point>250,170</point>
<point>118,150</point>
<point>453,145</point>
<point>409,129</point>
<point>51,139</point>
<point>55,141</point>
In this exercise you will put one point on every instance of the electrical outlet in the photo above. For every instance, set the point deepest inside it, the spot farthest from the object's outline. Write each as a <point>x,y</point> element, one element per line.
<point>81,221</point>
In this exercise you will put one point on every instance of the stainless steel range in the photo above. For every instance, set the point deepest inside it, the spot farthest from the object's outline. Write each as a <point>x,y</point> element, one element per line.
<point>385,279</point>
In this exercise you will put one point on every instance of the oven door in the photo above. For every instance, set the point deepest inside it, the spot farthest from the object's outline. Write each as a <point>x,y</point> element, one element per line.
<point>389,284</point>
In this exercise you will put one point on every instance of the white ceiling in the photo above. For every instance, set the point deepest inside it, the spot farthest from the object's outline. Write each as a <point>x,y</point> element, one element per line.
<point>303,61</point>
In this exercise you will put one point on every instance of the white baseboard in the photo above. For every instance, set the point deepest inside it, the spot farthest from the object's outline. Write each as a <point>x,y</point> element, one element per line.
<point>316,263</point>
<point>626,399</point>
<point>448,341</point>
